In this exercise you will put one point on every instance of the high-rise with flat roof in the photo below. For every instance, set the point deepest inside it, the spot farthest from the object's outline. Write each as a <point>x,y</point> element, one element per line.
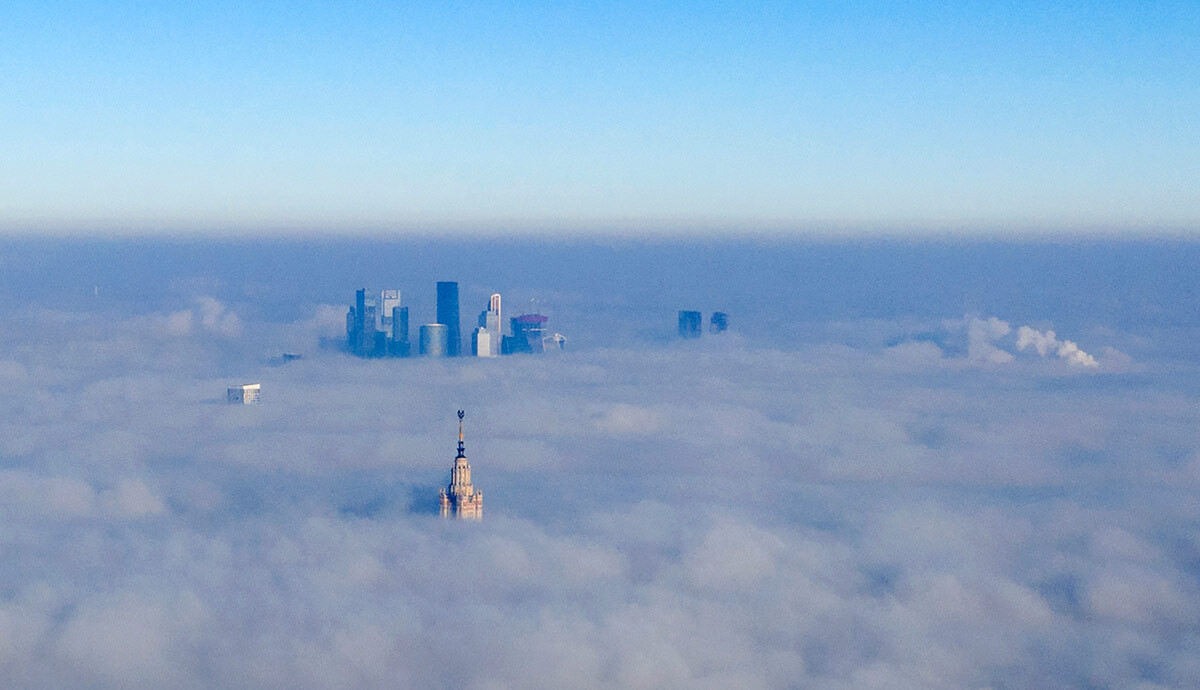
<point>528,331</point>
<point>689,324</point>
<point>481,343</point>
<point>489,329</point>
<point>719,323</point>
<point>399,346</point>
<point>356,344</point>
<point>447,314</point>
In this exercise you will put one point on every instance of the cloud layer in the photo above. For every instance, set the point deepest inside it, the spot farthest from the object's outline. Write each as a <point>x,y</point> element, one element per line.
<point>941,511</point>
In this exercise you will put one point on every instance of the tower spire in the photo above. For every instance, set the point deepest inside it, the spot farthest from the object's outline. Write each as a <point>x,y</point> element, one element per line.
<point>461,450</point>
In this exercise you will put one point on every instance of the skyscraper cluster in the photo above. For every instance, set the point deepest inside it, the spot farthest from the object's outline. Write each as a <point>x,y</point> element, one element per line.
<point>377,326</point>
<point>691,323</point>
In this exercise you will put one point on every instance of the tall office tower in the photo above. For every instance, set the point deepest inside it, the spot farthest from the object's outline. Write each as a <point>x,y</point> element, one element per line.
<point>489,320</point>
<point>689,324</point>
<point>398,345</point>
<point>400,324</point>
<point>370,334</point>
<point>494,306</point>
<point>719,323</point>
<point>460,499</point>
<point>357,346</point>
<point>447,313</point>
<point>388,300</point>
<point>481,343</point>
<point>350,321</point>
<point>433,340</point>
<point>528,331</point>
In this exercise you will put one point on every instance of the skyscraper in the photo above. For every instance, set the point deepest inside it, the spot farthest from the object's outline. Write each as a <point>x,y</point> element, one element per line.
<point>494,308</point>
<point>528,331</point>
<point>388,301</point>
<point>719,323</point>
<point>447,313</point>
<point>377,326</point>
<point>689,324</point>
<point>460,499</point>
<point>361,339</point>
<point>399,347</point>
<point>489,325</point>
<point>481,343</point>
<point>357,346</point>
<point>433,340</point>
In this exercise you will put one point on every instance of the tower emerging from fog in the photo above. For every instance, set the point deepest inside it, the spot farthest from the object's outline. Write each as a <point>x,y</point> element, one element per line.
<point>689,324</point>
<point>460,499</point>
<point>447,313</point>
<point>719,323</point>
<point>389,301</point>
<point>485,341</point>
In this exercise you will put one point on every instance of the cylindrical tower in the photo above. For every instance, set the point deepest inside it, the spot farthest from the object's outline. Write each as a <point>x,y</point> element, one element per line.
<point>434,337</point>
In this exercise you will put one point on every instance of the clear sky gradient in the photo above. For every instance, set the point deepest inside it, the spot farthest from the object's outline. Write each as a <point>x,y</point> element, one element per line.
<point>789,117</point>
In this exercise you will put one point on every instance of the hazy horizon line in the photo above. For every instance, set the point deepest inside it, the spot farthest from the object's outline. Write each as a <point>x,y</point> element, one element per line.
<point>623,231</point>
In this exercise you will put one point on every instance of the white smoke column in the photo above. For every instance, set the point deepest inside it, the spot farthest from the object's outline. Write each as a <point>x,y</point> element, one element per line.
<point>1074,356</point>
<point>1042,342</point>
<point>1048,342</point>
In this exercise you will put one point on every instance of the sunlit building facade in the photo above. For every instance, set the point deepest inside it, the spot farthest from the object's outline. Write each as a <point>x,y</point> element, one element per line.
<point>245,394</point>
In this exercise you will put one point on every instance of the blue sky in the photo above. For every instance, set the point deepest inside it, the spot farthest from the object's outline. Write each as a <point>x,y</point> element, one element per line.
<point>788,117</point>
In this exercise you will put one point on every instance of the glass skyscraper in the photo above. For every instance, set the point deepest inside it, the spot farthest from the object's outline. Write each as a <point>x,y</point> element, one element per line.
<point>447,314</point>
<point>689,324</point>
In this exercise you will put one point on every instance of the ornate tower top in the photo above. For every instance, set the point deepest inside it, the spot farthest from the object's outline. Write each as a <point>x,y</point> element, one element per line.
<point>461,450</point>
<point>460,499</point>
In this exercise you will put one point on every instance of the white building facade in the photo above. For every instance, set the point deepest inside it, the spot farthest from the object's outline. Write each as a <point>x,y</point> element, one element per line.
<point>245,394</point>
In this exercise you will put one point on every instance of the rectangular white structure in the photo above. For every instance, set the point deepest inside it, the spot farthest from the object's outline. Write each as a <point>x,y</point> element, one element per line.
<point>246,394</point>
<point>482,344</point>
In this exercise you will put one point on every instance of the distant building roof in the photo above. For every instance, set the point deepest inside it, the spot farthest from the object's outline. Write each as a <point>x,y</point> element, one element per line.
<point>531,318</point>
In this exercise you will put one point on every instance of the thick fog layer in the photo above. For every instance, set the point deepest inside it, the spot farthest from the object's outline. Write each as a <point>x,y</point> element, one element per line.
<point>905,466</point>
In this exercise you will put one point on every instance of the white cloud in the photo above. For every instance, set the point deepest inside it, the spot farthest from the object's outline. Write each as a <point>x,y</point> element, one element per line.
<point>131,498</point>
<point>981,333</point>
<point>914,353</point>
<point>828,516</point>
<point>623,418</point>
<point>131,639</point>
<point>209,316</point>
<point>179,323</point>
<point>216,318</point>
